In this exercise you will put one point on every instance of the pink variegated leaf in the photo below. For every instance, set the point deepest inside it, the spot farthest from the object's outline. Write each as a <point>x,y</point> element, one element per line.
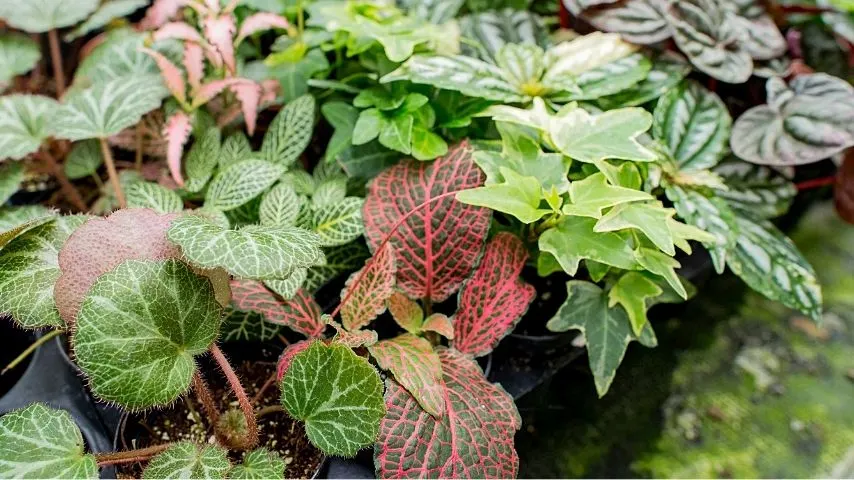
<point>212,6</point>
<point>354,339</point>
<point>211,89</point>
<point>269,91</point>
<point>176,131</point>
<point>249,96</point>
<point>160,12</point>
<point>494,299</point>
<point>287,357</point>
<point>416,366</point>
<point>440,324</point>
<point>407,313</point>
<point>438,245</point>
<point>473,438</point>
<point>172,75</point>
<point>260,21</point>
<point>366,291</point>
<point>219,32</point>
<point>177,30</point>
<point>301,313</point>
<point>194,64</point>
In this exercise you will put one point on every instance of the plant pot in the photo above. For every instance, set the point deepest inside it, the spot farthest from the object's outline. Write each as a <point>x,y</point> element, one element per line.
<point>15,341</point>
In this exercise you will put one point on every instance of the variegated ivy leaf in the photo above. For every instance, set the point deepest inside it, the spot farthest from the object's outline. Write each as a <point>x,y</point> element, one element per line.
<point>18,55</point>
<point>84,159</point>
<point>341,410</point>
<point>288,287</point>
<point>106,13</point>
<point>649,217</point>
<point>638,21</point>
<point>42,442</point>
<point>588,197</point>
<point>240,183</point>
<point>515,195</point>
<point>301,313</point>
<point>770,263</point>
<point>763,38</point>
<point>633,291</point>
<point>712,38</point>
<point>710,214</point>
<point>25,122</point>
<point>367,290</point>
<point>137,352</point>
<point>118,56</point>
<point>756,189</point>
<point>39,16</point>
<point>494,299</point>
<point>153,196</point>
<point>662,265</point>
<point>339,260</point>
<point>668,69</point>
<point>240,326</point>
<point>810,120</point>
<point>189,460</point>
<point>493,29</point>
<point>592,138</point>
<point>105,109</point>
<point>29,269</point>
<point>253,251</point>
<point>338,223</point>
<point>473,438</point>
<point>607,331</point>
<point>416,367</point>
<point>201,160</point>
<point>290,132</point>
<point>694,124</point>
<point>11,176</point>
<point>259,464</point>
<point>574,239</point>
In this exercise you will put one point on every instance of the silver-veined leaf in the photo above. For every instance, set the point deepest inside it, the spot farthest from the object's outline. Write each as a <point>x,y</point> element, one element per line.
<point>494,28</point>
<point>189,460</point>
<point>338,223</point>
<point>118,56</point>
<point>240,183</point>
<point>18,55</point>
<point>764,40</point>
<point>37,16</point>
<point>281,206</point>
<point>106,13</point>
<point>756,189</point>
<point>668,69</point>
<point>290,131</point>
<point>638,21</point>
<point>710,214</point>
<point>25,122</point>
<point>153,196</point>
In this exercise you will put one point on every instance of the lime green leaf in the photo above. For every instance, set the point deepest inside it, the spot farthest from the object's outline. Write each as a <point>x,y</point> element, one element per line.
<point>11,176</point>
<point>280,206</point>
<point>25,122</point>
<point>517,195</point>
<point>396,133</point>
<point>240,326</point>
<point>368,126</point>
<point>650,218</point>
<point>756,189</point>
<point>668,69</point>
<point>188,460</point>
<point>613,134</point>
<point>290,132</point>
<point>711,215</point>
<point>523,154</point>
<point>573,240</point>
<point>342,410</point>
<point>106,13</point>
<point>42,442</point>
<point>426,145</point>
<point>201,160</point>
<point>632,291</point>
<point>240,183</point>
<point>153,196</point>
<point>596,270</point>
<point>84,159</point>
<point>39,16</point>
<point>343,118</point>
<point>588,197</point>
<point>416,367</point>
<point>137,352</point>
<point>330,191</point>
<point>379,97</point>
<point>256,252</point>
<point>259,464</point>
<point>338,223</point>
<point>663,266</point>
<point>18,55</point>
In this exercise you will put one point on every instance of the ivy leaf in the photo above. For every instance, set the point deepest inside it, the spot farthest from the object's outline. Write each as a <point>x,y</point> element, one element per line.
<point>516,195</point>
<point>633,291</point>
<point>668,69</point>
<point>259,464</point>
<point>253,251</point>
<point>607,331</point>
<point>416,367</point>
<point>493,29</point>
<point>711,215</point>
<point>494,299</point>
<point>25,122</point>
<point>202,159</point>
<point>240,183</point>
<point>756,189</point>
<point>29,269</point>
<point>650,218</point>
<point>574,239</point>
<point>280,206</point>
<point>84,159</point>
<point>42,442</point>
<point>153,196</point>
<point>18,55</point>
<point>240,326</point>
<point>473,438</point>
<point>694,124</point>
<point>342,117</point>
<point>662,265</point>
<point>405,312</point>
<point>375,285</point>
<point>342,410</point>
<point>608,79</point>
<point>290,132</point>
<point>439,245</point>
<point>770,263</point>
<point>189,460</point>
<point>342,259</point>
<point>811,120</point>
<point>589,196</point>
<point>522,154</point>
<point>339,223</point>
<point>330,191</point>
<point>612,134</point>
<point>40,16</point>
<point>137,353</point>
<point>638,21</point>
<point>11,177</point>
<point>301,313</point>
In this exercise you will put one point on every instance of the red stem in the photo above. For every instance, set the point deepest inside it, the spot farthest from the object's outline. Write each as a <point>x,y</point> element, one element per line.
<point>130,456</point>
<point>563,14</point>
<point>56,58</point>
<point>68,188</point>
<point>805,9</point>
<point>205,397</point>
<point>815,183</point>
<point>240,393</point>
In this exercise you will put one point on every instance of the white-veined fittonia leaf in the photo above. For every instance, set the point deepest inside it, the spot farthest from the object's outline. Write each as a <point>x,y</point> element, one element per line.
<point>25,122</point>
<point>139,329</point>
<point>153,196</point>
<point>494,28</point>
<point>810,120</point>
<point>84,159</point>
<point>330,191</point>
<point>37,16</point>
<point>106,13</point>
<point>281,206</point>
<point>240,183</point>
<point>242,326</point>
<point>338,223</point>
<point>290,131</point>
<point>43,442</point>
<point>189,460</point>
<point>638,21</point>
<point>18,55</point>
<point>339,260</point>
<point>288,287</point>
<point>710,214</point>
<point>201,160</point>
<point>756,189</point>
<point>668,69</point>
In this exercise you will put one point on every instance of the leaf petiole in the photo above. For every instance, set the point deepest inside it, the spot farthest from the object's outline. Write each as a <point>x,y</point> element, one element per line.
<point>240,393</point>
<point>32,348</point>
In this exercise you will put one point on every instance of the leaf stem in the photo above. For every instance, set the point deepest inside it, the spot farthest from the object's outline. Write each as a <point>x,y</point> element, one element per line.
<point>68,188</point>
<point>815,183</point>
<point>56,58</point>
<point>240,393</point>
<point>203,393</point>
<point>130,456</point>
<point>138,162</point>
<point>32,348</point>
<point>111,171</point>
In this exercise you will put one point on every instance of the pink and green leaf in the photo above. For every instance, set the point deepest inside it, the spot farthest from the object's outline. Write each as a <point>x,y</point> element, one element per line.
<point>416,367</point>
<point>194,64</point>
<point>441,240</point>
<point>172,76</point>
<point>366,291</point>
<point>258,22</point>
<point>301,313</point>
<point>407,313</point>
<point>494,299</point>
<point>160,12</point>
<point>176,131</point>
<point>354,339</point>
<point>219,32</point>
<point>249,96</point>
<point>440,324</point>
<point>177,31</point>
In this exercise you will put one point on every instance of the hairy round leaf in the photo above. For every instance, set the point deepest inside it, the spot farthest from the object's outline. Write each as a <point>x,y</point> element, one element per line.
<point>139,329</point>
<point>240,183</point>
<point>25,122</point>
<point>18,55</point>
<point>189,460</point>
<point>37,16</point>
<point>301,313</point>
<point>343,406</point>
<point>416,367</point>
<point>259,464</point>
<point>371,287</point>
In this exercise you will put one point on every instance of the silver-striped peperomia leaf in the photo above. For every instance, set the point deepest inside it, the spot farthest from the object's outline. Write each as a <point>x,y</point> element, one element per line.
<point>668,69</point>
<point>710,214</point>
<point>42,442</point>
<point>25,122</point>
<point>37,16</point>
<point>18,55</point>
<point>811,119</point>
<point>189,460</point>
<point>140,328</point>
<point>638,21</point>
<point>493,29</point>
<point>756,189</point>
<point>763,39</point>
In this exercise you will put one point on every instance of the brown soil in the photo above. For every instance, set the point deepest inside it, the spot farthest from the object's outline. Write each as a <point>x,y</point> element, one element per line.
<point>184,421</point>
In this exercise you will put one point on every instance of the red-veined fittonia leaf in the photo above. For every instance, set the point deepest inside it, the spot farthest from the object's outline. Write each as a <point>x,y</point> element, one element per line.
<point>288,355</point>
<point>354,339</point>
<point>441,240</point>
<point>211,89</point>
<point>366,291</point>
<point>160,12</point>
<point>194,63</point>
<point>219,31</point>
<point>172,75</point>
<point>440,324</point>
<point>472,439</point>
<point>177,30</point>
<point>260,21</point>
<point>494,299</point>
<point>416,367</point>
<point>405,312</point>
<point>176,131</point>
<point>301,313</point>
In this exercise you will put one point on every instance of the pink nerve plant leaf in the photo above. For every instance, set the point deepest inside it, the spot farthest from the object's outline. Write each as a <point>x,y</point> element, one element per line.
<point>249,96</point>
<point>354,339</point>
<point>287,357</point>
<point>440,242</point>
<point>407,313</point>
<point>160,12</point>
<point>260,21</point>
<point>176,131</point>
<point>301,313</point>
<point>493,300</point>
<point>366,291</point>
<point>416,367</point>
<point>473,438</point>
<point>440,324</point>
<point>177,30</point>
<point>194,64</point>
<point>213,88</point>
<point>172,75</point>
<point>219,32</point>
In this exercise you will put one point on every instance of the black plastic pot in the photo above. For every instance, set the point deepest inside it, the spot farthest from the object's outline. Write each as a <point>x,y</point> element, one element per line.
<point>15,341</point>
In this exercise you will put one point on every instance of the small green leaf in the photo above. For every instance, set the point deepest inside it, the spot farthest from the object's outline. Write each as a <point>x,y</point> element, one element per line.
<point>42,442</point>
<point>25,122</point>
<point>426,145</point>
<point>240,326</point>
<point>650,218</point>
<point>396,133</point>
<point>153,196</point>
<point>11,176</point>
<point>289,132</point>
<point>632,291</point>
<point>189,460</point>
<point>37,16</point>
<point>280,206</point>
<point>662,265</point>
<point>137,352</point>
<point>517,195</point>
<point>573,239</point>
<point>367,161</point>
<point>18,55</point>
<point>368,126</point>
<point>341,410</point>
<point>240,183</point>
<point>84,159</point>
<point>589,196</point>
<point>379,97</point>
<point>756,189</point>
<point>302,181</point>
<point>343,118</point>
<point>201,160</point>
<point>338,223</point>
<point>259,464</point>
<point>612,134</point>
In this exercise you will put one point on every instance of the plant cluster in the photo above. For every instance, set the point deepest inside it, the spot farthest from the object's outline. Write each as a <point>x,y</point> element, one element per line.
<point>456,143</point>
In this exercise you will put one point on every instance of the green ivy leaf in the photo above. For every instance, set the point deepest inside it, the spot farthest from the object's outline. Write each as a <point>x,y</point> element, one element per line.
<point>573,239</point>
<point>84,159</point>
<point>711,215</point>
<point>523,154</point>
<point>11,177</point>
<point>240,326</point>
<point>668,69</point>
<point>18,55</point>
<point>342,410</point>
<point>589,196</point>
<point>39,16</point>
<point>416,367</point>
<point>633,291</point>
<point>280,206</point>
<point>338,223</point>
<point>106,13</point>
<point>25,122</point>
<point>650,218</point>
<point>607,331</point>
<point>662,265</point>
<point>240,183</point>
<point>343,118</point>
<point>202,159</point>
<point>153,196</point>
<point>756,189</point>
<point>254,251</point>
<point>290,132</point>
<point>516,195</point>
<point>259,464</point>
<point>189,460</point>
<point>43,442</point>
<point>612,134</point>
